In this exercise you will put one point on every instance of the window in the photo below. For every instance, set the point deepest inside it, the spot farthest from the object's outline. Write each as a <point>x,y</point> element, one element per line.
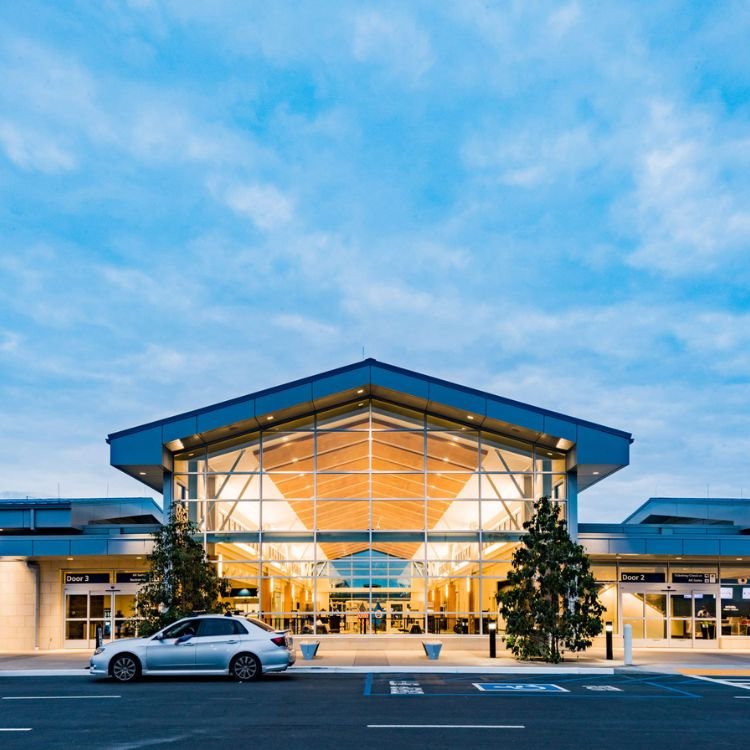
<point>217,626</point>
<point>260,624</point>
<point>181,628</point>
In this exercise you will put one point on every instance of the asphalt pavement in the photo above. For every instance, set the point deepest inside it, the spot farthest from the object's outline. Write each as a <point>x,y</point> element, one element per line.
<point>379,710</point>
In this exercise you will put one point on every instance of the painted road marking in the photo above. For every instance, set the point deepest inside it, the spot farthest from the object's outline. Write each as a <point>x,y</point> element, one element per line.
<point>716,672</point>
<point>610,688</point>
<point>405,687</point>
<point>55,697</point>
<point>15,729</point>
<point>732,683</point>
<point>520,687</point>
<point>446,726</point>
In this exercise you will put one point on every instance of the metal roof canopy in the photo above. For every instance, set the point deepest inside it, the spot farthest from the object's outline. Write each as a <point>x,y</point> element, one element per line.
<point>145,451</point>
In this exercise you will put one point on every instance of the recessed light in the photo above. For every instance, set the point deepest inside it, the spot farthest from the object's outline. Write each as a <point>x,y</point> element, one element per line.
<point>362,404</point>
<point>190,455</point>
<point>737,558</point>
<point>445,459</point>
<point>139,558</point>
<point>142,473</point>
<point>361,390</point>
<point>269,417</point>
<point>548,453</point>
<point>596,473</point>
<point>70,558</point>
<point>468,416</point>
<point>678,558</point>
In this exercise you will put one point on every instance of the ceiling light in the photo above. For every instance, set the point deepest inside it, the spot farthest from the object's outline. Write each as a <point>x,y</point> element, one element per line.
<point>445,459</point>
<point>468,416</point>
<point>142,473</point>
<point>678,558</point>
<point>70,558</point>
<point>361,390</point>
<point>190,455</point>
<point>139,558</point>
<point>269,417</point>
<point>737,558</point>
<point>596,473</point>
<point>548,453</point>
<point>362,404</point>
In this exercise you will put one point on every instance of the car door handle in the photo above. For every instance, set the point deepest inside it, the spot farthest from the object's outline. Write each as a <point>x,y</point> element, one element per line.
<point>232,642</point>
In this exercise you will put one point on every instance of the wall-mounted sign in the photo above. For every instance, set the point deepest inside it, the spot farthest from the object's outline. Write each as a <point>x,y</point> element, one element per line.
<point>727,592</point>
<point>140,576</point>
<point>86,578</point>
<point>693,577</point>
<point>746,593</point>
<point>637,577</point>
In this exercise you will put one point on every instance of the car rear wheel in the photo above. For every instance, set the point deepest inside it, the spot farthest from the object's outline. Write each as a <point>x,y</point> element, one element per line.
<point>246,667</point>
<point>125,668</point>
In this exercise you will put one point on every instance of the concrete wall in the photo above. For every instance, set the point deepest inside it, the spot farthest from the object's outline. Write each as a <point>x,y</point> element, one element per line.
<point>17,605</point>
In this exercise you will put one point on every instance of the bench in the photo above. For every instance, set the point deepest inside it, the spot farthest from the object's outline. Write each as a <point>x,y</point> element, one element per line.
<point>309,649</point>
<point>432,649</point>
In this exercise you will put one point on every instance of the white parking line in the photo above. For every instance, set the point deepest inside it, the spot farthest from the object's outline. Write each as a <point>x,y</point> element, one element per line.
<point>446,726</point>
<point>56,697</point>
<point>15,729</point>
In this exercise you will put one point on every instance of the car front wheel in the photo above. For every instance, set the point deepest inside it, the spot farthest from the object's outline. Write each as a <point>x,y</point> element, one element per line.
<point>246,667</point>
<point>125,668</point>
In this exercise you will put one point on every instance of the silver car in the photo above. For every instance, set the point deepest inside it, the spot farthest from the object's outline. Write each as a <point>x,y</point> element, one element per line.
<point>242,647</point>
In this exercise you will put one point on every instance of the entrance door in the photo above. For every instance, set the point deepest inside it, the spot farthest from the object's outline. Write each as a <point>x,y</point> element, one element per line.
<point>85,611</point>
<point>693,618</point>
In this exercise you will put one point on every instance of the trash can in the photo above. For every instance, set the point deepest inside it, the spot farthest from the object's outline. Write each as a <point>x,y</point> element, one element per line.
<point>309,649</point>
<point>432,649</point>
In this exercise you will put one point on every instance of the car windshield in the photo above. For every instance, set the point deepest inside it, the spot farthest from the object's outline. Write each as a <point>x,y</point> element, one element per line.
<point>261,624</point>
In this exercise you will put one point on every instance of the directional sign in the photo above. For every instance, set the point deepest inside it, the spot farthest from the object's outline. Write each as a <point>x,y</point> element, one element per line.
<point>520,687</point>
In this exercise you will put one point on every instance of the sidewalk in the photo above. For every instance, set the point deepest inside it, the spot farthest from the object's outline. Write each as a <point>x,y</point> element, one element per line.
<point>332,659</point>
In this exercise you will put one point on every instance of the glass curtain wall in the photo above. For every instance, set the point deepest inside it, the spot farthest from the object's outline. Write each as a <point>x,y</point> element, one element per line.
<point>367,518</point>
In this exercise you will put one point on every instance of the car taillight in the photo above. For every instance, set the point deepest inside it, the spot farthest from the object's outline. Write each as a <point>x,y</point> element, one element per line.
<point>279,640</point>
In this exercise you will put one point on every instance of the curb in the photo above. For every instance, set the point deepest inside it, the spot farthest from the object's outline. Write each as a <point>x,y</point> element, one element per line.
<point>359,670</point>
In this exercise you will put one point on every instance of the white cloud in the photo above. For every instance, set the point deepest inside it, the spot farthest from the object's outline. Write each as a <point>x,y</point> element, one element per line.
<point>563,19</point>
<point>689,217</point>
<point>307,327</point>
<point>33,151</point>
<point>267,206</point>
<point>393,41</point>
<point>532,157</point>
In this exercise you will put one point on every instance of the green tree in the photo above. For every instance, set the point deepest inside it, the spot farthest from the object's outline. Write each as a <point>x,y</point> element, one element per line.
<point>180,580</point>
<point>551,604</point>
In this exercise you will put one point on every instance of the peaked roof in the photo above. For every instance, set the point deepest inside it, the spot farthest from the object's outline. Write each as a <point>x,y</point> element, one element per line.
<point>144,451</point>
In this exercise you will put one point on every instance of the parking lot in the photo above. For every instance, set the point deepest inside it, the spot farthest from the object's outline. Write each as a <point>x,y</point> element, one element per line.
<point>377,710</point>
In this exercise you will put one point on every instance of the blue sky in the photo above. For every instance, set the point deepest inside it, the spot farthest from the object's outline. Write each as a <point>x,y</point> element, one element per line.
<point>549,201</point>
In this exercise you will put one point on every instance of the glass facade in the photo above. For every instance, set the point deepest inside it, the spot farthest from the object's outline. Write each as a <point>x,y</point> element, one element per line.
<point>367,518</point>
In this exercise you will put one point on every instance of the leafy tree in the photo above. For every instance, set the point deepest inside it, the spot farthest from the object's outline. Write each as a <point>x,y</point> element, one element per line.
<point>551,603</point>
<point>180,580</point>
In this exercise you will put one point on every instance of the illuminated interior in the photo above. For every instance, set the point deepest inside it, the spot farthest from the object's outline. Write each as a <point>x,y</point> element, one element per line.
<point>367,518</point>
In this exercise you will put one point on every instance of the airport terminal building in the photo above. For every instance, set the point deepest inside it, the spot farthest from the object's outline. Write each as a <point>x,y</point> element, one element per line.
<point>370,500</point>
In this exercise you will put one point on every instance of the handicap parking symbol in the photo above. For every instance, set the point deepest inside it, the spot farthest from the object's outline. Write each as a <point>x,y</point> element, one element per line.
<point>520,687</point>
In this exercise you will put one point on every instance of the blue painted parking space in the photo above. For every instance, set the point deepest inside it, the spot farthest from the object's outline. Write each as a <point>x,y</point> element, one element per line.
<point>641,686</point>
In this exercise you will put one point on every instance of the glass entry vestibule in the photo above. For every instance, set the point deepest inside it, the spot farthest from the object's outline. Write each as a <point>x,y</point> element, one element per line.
<point>670,615</point>
<point>88,606</point>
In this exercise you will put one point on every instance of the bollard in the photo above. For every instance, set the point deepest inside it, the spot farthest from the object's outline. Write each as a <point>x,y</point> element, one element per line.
<point>608,633</point>
<point>492,629</point>
<point>99,639</point>
<point>627,636</point>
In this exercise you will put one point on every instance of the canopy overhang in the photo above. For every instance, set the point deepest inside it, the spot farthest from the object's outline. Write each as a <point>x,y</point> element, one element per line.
<point>145,452</point>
